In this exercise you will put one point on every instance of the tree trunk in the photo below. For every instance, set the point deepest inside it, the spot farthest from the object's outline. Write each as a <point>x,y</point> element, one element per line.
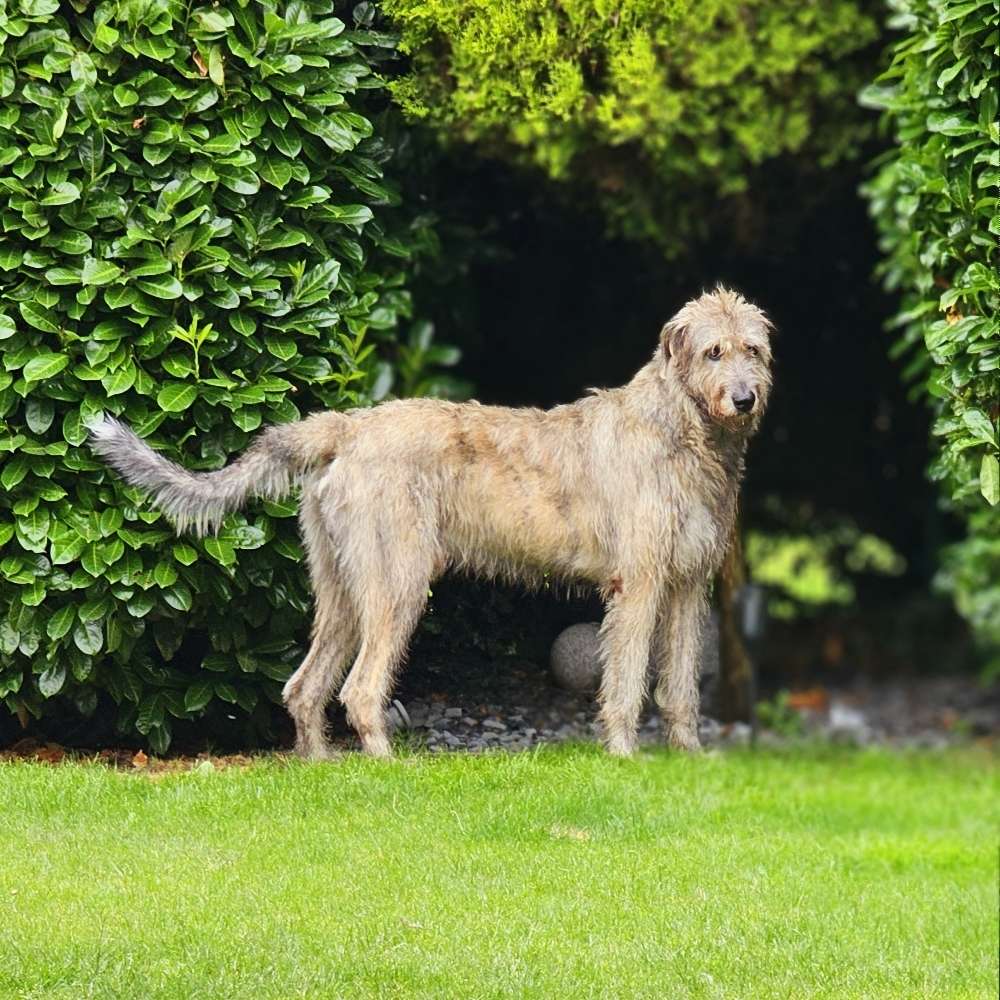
<point>737,684</point>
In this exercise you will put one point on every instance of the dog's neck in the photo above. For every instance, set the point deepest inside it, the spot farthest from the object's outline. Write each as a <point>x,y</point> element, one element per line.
<point>665,401</point>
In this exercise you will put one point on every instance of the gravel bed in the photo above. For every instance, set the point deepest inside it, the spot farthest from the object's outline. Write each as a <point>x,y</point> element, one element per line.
<point>916,712</point>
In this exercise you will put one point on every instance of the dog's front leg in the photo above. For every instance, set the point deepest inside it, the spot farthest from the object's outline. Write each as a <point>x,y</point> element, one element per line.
<point>678,646</point>
<point>625,641</point>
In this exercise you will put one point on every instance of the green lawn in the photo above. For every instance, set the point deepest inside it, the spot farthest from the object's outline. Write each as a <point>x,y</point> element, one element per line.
<point>562,873</point>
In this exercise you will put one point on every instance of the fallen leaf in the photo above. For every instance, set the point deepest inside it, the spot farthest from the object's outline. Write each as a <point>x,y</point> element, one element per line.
<point>200,63</point>
<point>814,700</point>
<point>950,718</point>
<point>140,759</point>
<point>50,754</point>
<point>568,833</point>
<point>138,122</point>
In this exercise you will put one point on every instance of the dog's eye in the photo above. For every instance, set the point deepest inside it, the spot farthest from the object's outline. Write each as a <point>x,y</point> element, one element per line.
<point>752,351</point>
<point>714,353</point>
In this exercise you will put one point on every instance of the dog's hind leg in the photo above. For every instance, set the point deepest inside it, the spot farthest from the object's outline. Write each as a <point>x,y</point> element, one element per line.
<point>335,639</point>
<point>387,622</point>
<point>391,552</point>
<point>625,641</point>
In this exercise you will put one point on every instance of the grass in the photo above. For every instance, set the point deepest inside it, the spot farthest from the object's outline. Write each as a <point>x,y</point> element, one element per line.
<point>560,873</point>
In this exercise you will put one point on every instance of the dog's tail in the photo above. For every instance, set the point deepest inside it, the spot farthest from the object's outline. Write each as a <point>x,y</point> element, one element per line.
<point>199,501</point>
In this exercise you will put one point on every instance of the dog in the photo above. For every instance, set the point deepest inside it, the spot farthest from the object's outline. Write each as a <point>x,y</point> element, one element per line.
<point>632,490</point>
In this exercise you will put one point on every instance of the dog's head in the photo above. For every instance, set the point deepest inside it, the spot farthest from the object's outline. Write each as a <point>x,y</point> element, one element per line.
<point>718,348</point>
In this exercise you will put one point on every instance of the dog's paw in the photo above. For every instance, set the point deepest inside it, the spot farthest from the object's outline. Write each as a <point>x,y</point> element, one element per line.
<point>316,751</point>
<point>684,738</point>
<point>376,744</point>
<point>621,746</point>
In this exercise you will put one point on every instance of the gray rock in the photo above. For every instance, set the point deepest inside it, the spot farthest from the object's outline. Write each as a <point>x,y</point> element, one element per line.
<point>453,713</point>
<point>574,658</point>
<point>576,664</point>
<point>398,717</point>
<point>494,724</point>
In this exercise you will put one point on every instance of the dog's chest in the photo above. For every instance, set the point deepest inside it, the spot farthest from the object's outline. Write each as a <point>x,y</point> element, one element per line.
<point>699,542</point>
<point>698,522</point>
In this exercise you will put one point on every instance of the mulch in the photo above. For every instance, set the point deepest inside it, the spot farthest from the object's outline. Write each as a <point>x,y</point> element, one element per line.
<point>125,759</point>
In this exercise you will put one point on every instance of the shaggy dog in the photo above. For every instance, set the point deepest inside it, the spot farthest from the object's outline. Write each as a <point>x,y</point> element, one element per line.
<point>630,489</point>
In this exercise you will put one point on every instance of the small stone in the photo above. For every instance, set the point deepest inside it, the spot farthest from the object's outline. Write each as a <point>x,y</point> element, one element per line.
<point>846,717</point>
<point>738,733</point>
<point>769,738</point>
<point>709,730</point>
<point>453,713</point>
<point>469,721</point>
<point>494,724</point>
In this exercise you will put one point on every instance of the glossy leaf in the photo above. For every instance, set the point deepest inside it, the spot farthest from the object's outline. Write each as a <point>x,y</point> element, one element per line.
<point>157,177</point>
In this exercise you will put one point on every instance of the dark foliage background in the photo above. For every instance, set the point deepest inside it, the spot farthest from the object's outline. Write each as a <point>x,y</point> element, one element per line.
<point>547,305</point>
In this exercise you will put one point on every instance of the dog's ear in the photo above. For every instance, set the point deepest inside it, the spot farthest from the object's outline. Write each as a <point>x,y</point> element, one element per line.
<point>672,337</point>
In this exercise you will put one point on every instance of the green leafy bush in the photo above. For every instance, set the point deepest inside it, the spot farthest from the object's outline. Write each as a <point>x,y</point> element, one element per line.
<point>659,108</point>
<point>814,569</point>
<point>934,198</point>
<point>196,236</point>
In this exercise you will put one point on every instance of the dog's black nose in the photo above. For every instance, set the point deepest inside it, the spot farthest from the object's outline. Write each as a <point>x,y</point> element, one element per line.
<point>744,401</point>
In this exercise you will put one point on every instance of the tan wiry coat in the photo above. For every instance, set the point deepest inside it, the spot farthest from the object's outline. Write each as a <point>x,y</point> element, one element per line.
<point>631,489</point>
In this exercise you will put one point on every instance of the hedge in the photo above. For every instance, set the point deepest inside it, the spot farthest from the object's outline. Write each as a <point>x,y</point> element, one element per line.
<point>656,109</point>
<point>934,198</point>
<point>195,235</point>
